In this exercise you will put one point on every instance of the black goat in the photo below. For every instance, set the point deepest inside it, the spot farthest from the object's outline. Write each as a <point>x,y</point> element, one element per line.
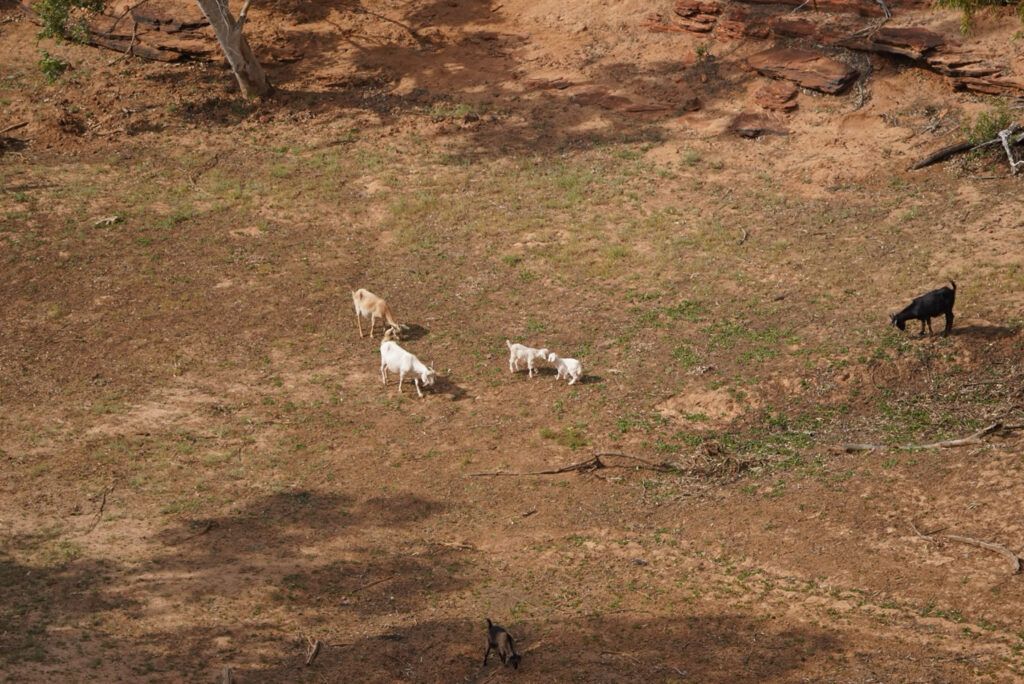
<point>926,307</point>
<point>501,641</point>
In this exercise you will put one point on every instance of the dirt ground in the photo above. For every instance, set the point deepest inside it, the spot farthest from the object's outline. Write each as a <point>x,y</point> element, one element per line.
<point>202,469</point>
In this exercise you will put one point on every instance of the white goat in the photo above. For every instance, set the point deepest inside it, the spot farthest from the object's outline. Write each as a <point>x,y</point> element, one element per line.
<point>567,368</point>
<point>373,307</point>
<point>395,359</point>
<point>518,352</point>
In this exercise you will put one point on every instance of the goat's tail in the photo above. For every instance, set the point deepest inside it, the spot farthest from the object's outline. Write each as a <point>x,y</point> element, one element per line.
<point>489,624</point>
<point>953,283</point>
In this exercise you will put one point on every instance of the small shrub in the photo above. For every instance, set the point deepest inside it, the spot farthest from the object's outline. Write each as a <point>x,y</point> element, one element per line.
<point>969,7</point>
<point>988,124</point>
<point>66,18</point>
<point>51,66</point>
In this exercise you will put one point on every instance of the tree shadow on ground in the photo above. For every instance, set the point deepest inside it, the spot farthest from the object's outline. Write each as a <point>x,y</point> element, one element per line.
<point>436,59</point>
<point>707,648</point>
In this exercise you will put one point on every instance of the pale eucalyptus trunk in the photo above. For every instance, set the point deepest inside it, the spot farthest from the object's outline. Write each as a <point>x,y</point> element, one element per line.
<point>250,75</point>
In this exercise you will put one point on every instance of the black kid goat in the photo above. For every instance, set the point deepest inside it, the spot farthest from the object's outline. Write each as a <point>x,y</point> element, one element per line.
<point>926,307</point>
<point>501,641</point>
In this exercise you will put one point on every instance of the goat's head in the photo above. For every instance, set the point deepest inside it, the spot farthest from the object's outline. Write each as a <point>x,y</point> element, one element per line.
<point>552,357</point>
<point>428,376</point>
<point>898,322</point>
<point>544,353</point>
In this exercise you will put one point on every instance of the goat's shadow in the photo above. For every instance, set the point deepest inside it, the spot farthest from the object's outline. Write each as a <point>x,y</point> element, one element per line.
<point>412,331</point>
<point>443,385</point>
<point>585,379</point>
<point>985,332</point>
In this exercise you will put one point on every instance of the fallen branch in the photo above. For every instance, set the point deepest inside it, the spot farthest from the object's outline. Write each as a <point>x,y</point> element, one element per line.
<point>99,513</point>
<point>591,464</point>
<point>14,127</point>
<point>853,448</point>
<point>663,467</point>
<point>991,546</point>
<point>312,649</point>
<point>371,584</point>
<point>970,439</point>
<point>963,441</point>
<point>970,541</point>
<point>1004,137</point>
<point>968,146</point>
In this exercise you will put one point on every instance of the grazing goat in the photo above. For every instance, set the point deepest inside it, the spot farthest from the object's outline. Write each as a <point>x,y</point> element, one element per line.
<point>518,352</point>
<point>926,307</point>
<point>501,641</point>
<point>395,359</point>
<point>373,307</point>
<point>567,368</point>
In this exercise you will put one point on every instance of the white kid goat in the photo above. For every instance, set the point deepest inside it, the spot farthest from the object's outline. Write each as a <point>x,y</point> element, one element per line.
<point>567,368</point>
<point>395,359</point>
<point>519,353</point>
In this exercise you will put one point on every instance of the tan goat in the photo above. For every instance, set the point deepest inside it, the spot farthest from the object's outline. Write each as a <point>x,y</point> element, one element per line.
<point>370,305</point>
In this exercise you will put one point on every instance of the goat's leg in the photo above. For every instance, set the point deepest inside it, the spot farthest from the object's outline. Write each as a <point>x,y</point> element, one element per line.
<point>529,367</point>
<point>384,373</point>
<point>359,322</point>
<point>949,323</point>
<point>401,376</point>
<point>373,319</point>
<point>512,364</point>
<point>487,653</point>
<point>416,381</point>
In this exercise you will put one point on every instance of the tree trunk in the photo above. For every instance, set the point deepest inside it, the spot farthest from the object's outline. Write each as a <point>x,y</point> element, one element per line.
<point>251,79</point>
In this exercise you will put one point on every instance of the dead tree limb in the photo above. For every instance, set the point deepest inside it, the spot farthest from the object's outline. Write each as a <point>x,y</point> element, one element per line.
<point>991,546</point>
<point>852,448</point>
<point>970,439</point>
<point>943,154</point>
<point>591,464</point>
<point>1004,137</point>
<point>663,467</point>
<point>14,127</point>
<point>967,146</point>
<point>963,441</point>
<point>371,584</point>
<point>312,649</point>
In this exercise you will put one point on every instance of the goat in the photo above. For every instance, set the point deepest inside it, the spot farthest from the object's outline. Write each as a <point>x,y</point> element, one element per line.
<point>567,368</point>
<point>519,352</point>
<point>373,307</point>
<point>501,641</point>
<point>397,360</point>
<point>926,307</point>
